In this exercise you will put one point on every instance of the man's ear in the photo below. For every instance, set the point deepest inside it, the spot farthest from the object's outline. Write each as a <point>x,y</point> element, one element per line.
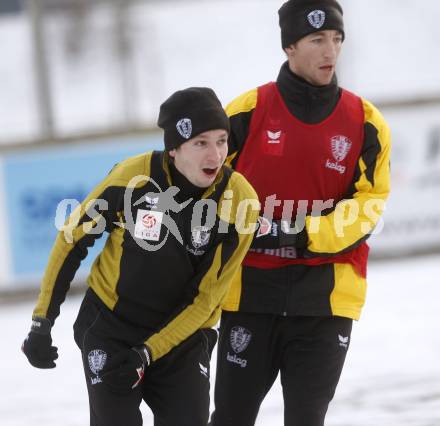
<point>290,51</point>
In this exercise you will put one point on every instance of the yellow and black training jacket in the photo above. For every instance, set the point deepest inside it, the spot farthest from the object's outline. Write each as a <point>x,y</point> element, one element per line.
<point>330,150</point>
<point>159,270</point>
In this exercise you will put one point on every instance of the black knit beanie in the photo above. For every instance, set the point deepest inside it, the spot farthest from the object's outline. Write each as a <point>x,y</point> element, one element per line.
<point>299,18</point>
<point>189,112</point>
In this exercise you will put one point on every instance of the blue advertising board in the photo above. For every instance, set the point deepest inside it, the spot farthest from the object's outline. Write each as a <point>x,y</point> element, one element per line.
<point>37,180</point>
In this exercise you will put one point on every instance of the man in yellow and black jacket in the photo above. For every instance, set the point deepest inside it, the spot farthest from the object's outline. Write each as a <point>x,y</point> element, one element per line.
<point>319,154</point>
<point>179,225</point>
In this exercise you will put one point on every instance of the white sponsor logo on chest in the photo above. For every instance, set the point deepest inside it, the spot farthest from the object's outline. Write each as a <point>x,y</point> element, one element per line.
<point>200,236</point>
<point>273,137</point>
<point>151,202</point>
<point>340,146</point>
<point>148,225</point>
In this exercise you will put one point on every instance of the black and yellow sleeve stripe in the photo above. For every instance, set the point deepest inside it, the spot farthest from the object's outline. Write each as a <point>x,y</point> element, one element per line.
<point>353,218</point>
<point>215,274</point>
<point>72,242</point>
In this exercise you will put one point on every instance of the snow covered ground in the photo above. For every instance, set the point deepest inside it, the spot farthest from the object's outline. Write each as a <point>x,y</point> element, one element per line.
<point>391,378</point>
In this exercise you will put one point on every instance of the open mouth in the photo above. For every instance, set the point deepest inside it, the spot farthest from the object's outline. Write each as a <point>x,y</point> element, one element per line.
<point>210,171</point>
<point>326,68</point>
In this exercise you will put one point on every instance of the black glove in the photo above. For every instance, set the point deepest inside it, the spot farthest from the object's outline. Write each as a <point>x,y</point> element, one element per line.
<point>125,369</point>
<point>273,234</point>
<point>38,344</point>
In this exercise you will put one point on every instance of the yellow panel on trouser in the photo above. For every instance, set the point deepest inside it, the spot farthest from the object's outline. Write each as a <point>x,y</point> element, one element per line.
<point>348,295</point>
<point>232,300</point>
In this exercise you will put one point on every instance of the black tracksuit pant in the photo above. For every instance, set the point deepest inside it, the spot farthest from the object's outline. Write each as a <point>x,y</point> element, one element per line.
<point>309,353</point>
<point>175,387</point>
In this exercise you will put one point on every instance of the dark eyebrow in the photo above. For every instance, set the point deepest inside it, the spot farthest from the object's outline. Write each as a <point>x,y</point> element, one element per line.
<point>223,136</point>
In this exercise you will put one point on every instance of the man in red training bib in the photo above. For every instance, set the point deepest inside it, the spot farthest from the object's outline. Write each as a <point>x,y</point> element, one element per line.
<point>318,157</point>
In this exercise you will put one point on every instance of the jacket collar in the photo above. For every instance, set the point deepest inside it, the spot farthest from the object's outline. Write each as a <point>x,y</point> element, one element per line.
<point>307,102</point>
